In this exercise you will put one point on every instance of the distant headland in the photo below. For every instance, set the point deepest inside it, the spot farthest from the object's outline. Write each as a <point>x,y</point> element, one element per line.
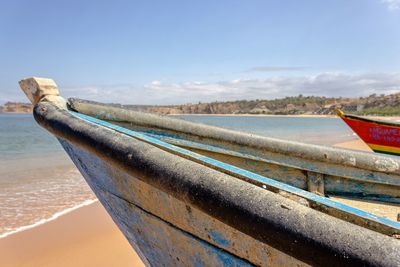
<point>15,107</point>
<point>379,105</point>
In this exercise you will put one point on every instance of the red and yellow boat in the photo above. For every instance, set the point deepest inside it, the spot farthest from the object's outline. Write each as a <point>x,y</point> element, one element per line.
<point>381,136</point>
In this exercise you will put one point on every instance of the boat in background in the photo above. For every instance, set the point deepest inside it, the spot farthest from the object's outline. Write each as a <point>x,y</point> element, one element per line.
<point>190,194</point>
<point>381,136</point>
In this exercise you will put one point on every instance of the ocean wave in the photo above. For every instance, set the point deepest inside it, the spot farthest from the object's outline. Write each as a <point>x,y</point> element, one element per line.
<point>53,217</point>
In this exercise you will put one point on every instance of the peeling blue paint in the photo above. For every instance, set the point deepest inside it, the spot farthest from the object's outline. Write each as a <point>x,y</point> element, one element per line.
<point>219,238</point>
<point>197,261</point>
<point>107,115</point>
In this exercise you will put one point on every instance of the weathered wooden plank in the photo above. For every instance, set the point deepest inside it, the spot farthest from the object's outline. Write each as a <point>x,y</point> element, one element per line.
<point>315,183</point>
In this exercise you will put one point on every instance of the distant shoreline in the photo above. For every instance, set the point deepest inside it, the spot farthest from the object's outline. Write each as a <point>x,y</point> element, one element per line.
<point>15,112</point>
<point>284,116</point>
<point>259,115</point>
<point>300,106</point>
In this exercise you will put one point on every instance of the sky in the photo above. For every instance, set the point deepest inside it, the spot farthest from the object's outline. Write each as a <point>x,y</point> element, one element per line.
<point>175,52</point>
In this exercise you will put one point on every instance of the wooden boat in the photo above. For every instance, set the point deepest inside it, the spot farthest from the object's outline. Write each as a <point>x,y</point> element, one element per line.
<point>196,195</point>
<point>381,136</point>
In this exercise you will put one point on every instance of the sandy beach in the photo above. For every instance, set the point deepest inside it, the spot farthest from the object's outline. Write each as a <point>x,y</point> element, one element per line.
<point>84,237</point>
<point>355,145</point>
<point>88,237</point>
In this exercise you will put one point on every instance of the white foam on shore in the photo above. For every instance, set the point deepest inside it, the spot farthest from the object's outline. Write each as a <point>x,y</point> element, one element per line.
<point>53,217</point>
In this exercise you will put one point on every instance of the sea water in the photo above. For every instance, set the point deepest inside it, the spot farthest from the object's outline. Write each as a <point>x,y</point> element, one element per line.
<point>313,130</point>
<point>38,182</point>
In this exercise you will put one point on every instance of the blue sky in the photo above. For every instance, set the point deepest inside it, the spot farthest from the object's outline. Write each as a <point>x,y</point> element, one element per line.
<point>167,52</point>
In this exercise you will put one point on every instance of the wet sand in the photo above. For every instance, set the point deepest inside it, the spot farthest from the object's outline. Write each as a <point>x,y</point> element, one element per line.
<point>84,237</point>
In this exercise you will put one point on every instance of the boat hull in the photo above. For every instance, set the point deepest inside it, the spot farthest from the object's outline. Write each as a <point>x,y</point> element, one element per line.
<point>208,211</point>
<point>381,137</point>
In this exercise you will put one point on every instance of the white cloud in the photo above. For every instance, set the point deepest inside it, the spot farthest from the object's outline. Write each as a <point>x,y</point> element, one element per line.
<point>392,4</point>
<point>156,83</point>
<point>323,84</point>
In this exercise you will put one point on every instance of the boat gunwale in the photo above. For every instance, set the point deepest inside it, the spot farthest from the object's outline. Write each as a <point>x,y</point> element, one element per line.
<point>370,120</point>
<point>351,158</point>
